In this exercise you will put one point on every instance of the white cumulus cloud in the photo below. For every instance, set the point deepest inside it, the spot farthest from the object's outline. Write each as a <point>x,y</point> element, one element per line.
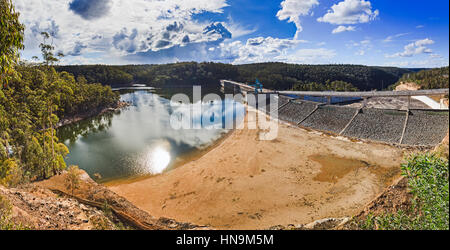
<point>350,12</point>
<point>258,49</point>
<point>415,48</point>
<point>292,10</point>
<point>117,27</point>
<point>342,28</point>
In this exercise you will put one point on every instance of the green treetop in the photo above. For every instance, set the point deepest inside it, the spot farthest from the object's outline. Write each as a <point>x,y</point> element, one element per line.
<point>11,40</point>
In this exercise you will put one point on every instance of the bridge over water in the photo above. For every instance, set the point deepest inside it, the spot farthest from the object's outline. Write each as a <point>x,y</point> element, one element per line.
<point>406,127</point>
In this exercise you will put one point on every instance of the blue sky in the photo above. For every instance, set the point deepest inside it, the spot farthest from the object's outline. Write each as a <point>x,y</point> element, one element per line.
<point>386,33</point>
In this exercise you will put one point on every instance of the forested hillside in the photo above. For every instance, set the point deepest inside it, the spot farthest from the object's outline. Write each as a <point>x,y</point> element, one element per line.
<point>179,74</point>
<point>33,97</point>
<point>428,79</point>
<point>285,76</point>
<point>280,76</point>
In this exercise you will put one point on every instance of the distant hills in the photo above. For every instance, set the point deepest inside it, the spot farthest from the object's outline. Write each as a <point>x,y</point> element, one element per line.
<point>428,79</point>
<point>279,76</point>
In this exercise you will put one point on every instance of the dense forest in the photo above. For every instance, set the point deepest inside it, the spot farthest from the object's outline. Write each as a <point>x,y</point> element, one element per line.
<point>279,76</point>
<point>179,74</point>
<point>33,98</point>
<point>429,79</point>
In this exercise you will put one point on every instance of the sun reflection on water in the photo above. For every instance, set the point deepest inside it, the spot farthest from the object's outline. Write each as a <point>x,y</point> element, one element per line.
<point>158,159</point>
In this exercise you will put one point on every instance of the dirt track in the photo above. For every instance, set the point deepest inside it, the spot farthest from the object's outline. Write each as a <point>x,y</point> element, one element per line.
<point>245,183</point>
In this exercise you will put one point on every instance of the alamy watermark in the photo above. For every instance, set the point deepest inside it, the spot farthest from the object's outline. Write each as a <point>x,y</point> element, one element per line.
<point>257,111</point>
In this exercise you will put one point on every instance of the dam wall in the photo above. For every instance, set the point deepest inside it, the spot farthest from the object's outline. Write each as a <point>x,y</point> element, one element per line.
<point>414,127</point>
<point>426,127</point>
<point>330,118</point>
<point>296,111</point>
<point>378,125</point>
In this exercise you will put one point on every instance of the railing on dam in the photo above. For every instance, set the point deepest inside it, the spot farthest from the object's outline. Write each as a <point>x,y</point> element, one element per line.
<point>425,92</point>
<point>405,127</point>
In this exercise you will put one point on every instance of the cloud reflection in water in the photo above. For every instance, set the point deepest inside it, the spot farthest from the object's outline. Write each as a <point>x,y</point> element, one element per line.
<point>141,141</point>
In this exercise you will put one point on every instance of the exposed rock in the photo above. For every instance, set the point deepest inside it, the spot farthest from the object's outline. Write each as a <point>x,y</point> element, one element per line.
<point>323,224</point>
<point>36,208</point>
<point>79,117</point>
<point>48,205</point>
<point>407,86</point>
<point>92,194</point>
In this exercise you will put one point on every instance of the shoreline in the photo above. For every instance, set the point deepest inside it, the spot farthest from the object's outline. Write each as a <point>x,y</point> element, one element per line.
<point>244,183</point>
<point>190,157</point>
<point>80,117</point>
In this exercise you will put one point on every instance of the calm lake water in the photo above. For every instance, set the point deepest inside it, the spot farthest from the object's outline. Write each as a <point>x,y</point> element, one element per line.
<point>139,140</point>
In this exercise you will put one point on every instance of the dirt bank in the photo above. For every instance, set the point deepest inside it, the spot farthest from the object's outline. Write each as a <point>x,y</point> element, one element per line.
<point>38,208</point>
<point>245,183</point>
<point>95,195</point>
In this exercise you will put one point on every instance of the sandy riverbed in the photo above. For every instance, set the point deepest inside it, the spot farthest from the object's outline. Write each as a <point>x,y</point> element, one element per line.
<point>245,183</point>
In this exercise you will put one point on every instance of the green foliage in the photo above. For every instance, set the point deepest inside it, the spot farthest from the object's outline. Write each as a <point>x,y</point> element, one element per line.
<point>32,104</point>
<point>399,221</point>
<point>108,75</point>
<point>428,181</point>
<point>279,76</point>
<point>10,173</point>
<point>11,40</point>
<point>5,216</point>
<point>429,79</point>
<point>285,76</point>
<point>73,178</point>
<point>178,74</point>
<point>32,107</point>
<point>47,50</point>
<point>335,86</point>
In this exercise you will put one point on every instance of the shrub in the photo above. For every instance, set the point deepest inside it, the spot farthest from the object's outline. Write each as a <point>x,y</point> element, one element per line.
<point>5,216</point>
<point>428,182</point>
<point>73,178</point>
<point>11,173</point>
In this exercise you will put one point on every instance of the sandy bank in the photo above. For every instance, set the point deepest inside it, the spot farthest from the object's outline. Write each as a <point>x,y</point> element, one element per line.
<point>245,183</point>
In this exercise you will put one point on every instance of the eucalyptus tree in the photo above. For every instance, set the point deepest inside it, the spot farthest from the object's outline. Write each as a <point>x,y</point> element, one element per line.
<point>33,97</point>
<point>11,40</point>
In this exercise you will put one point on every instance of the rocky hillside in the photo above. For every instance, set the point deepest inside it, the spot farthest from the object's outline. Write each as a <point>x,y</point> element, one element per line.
<point>48,205</point>
<point>32,207</point>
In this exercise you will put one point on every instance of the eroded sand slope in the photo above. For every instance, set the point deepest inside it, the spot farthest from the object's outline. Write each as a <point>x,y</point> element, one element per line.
<point>245,183</point>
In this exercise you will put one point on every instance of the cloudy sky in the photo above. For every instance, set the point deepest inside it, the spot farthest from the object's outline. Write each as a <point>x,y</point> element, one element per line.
<point>405,33</point>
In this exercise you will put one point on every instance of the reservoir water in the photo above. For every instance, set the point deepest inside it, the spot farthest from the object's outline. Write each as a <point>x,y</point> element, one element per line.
<point>139,140</point>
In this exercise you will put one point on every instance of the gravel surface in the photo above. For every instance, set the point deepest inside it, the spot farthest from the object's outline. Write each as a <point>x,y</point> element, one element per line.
<point>390,103</point>
<point>283,100</point>
<point>426,127</point>
<point>296,111</point>
<point>330,118</point>
<point>378,125</point>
